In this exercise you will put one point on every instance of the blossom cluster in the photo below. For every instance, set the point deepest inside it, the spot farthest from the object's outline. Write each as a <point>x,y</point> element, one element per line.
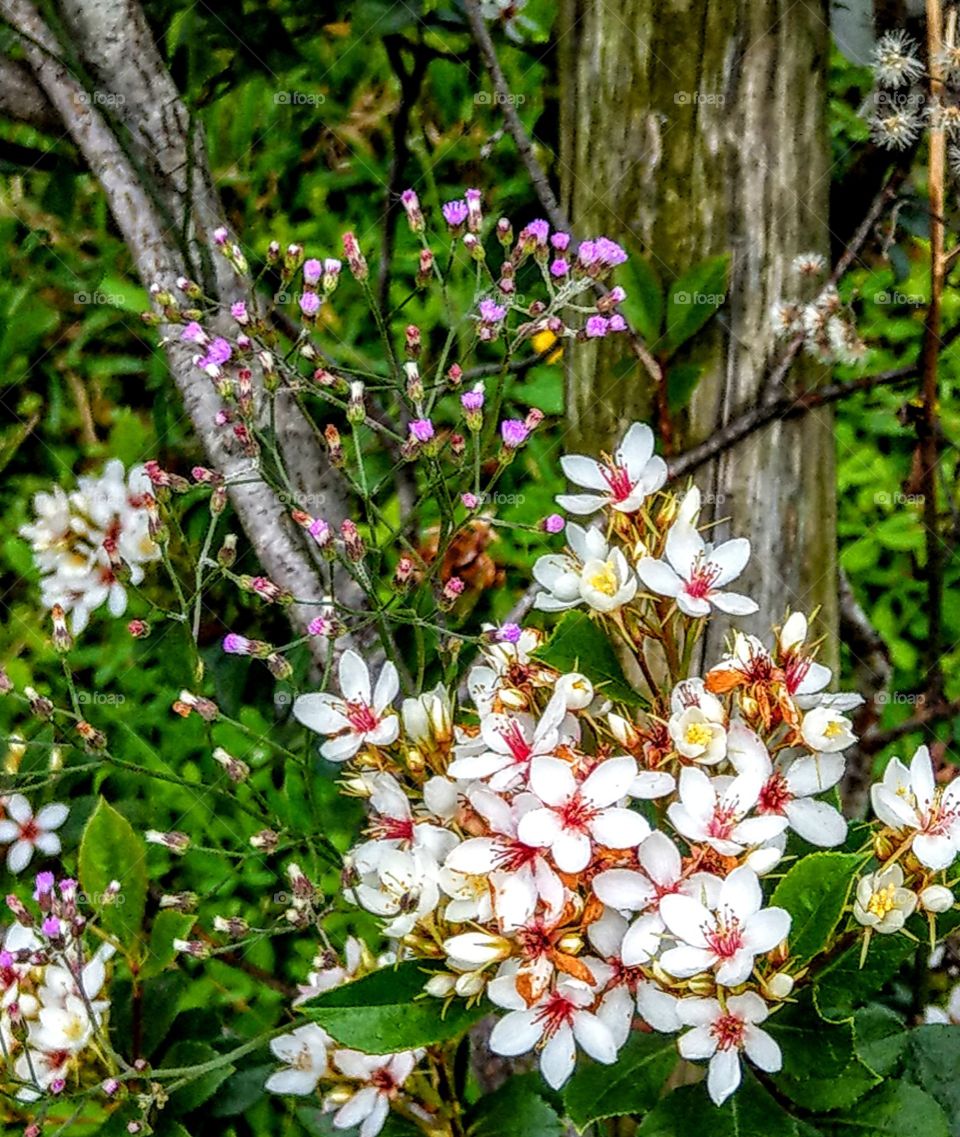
<point>585,860</point>
<point>53,1001</point>
<point>824,322</point>
<point>90,543</point>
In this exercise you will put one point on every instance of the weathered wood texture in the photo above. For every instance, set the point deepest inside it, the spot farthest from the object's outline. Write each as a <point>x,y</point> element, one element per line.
<point>694,129</point>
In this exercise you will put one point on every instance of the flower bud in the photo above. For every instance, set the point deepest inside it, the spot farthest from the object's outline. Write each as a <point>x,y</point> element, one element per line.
<point>936,898</point>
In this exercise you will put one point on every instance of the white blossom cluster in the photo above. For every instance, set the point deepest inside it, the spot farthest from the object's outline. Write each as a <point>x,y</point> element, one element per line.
<point>826,324</point>
<point>87,543</point>
<point>53,1001</point>
<point>582,862</point>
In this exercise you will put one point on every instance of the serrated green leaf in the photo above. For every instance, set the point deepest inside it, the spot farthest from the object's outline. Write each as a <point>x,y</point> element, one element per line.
<point>821,1070</point>
<point>632,1085</point>
<point>750,1112</point>
<point>844,985</point>
<point>386,1011</point>
<point>517,1107</point>
<point>933,1062</point>
<point>895,1109</point>
<point>815,893</point>
<point>168,926</point>
<point>111,851</point>
<point>579,644</point>
<point>694,299</point>
<point>881,1037</point>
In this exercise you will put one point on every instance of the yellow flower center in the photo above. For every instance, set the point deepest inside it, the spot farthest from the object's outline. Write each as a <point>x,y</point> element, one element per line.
<point>604,580</point>
<point>883,901</point>
<point>832,729</point>
<point>698,734</point>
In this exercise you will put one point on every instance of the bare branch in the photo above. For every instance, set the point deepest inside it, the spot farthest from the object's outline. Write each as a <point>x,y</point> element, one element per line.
<point>22,100</point>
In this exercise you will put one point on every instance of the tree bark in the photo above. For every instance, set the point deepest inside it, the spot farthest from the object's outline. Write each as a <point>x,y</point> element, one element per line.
<point>689,130</point>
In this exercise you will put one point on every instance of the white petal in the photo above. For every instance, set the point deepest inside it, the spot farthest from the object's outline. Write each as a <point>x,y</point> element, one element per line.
<point>516,1033</point>
<point>814,773</point>
<point>52,816</point>
<point>539,828</point>
<point>357,1108</point>
<point>765,929</point>
<point>723,1076</point>
<point>594,1037</point>
<point>734,604</point>
<point>551,779</point>
<point>558,1057</point>
<point>571,851</point>
<point>292,1082</point>
<point>19,855</point>
<point>682,962</point>
<point>761,1049</point>
<point>580,504</point>
<point>584,472</point>
<point>741,892</point>
<point>635,450</point>
<point>697,1043</point>
<point>354,678</point>
<point>619,828</point>
<point>624,889</point>
<point>17,807</point>
<point>660,858</point>
<point>686,918</point>
<point>320,712</point>
<point>817,822</point>
<point>657,576</point>
<point>731,557</point>
<point>610,781</point>
<point>387,688</point>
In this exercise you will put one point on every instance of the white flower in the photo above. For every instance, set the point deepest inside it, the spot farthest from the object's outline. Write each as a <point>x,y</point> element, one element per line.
<point>714,810</point>
<point>394,826</point>
<point>824,728</point>
<point>594,574</point>
<point>727,935</point>
<point>695,572</point>
<point>24,832</point>
<point>720,1034</point>
<point>385,1075</point>
<point>936,898</point>
<point>304,1053</point>
<point>697,723</point>
<point>894,61</point>
<point>511,742</point>
<point>911,799</point>
<point>557,1023</point>
<point>356,719</point>
<point>789,786</point>
<point>575,816</point>
<point>427,719</point>
<point>399,885</point>
<point>68,1027</point>
<point>882,903</point>
<point>623,482</point>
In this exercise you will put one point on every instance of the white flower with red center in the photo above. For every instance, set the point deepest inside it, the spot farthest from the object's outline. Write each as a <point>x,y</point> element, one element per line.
<point>825,729</point>
<point>623,482</point>
<point>694,572</point>
<point>556,1024</point>
<point>576,816</point>
<point>911,800</point>
<point>592,573</point>
<point>518,875</point>
<point>722,1034</point>
<point>356,718</point>
<point>727,935</point>
<point>304,1055</point>
<point>512,741</point>
<point>394,826</point>
<point>696,724</point>
<point>789,787</point>
<point>618,1002</point>
<point>23,831</point>
<point>384,1076</point>
<point>714,811</point>
<point>398,885</point>
<point>804,677</point>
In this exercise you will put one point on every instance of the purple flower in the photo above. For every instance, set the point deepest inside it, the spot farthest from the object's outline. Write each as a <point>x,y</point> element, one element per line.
<point>193,333</point>
<point>617,323</point>
<point>559,267</point>
<point>514,432</point>
<point>537,231</point>
<point>597,327</point>
<point>409,199</point>
<point>320,531</point>
<point>560,241</point>
<point>220,235</point>
<point>51,927</point>
<point>309,303</point>
<point>422,429</point>
<point>318,626</point>
<point>509,633</point>
<point>236,645</point>
<point>609,253</point>
<point>472,401</point>
<point>474,197</point>
<point>455,213</point>
<point>616,295</point>
<point>312,271</point>
<point>44,884</point>
<point>587,253</point>
<point>553,524</point>
<point>331,266</point>
<point>470,500</point>
<point>219,350</point>
<point>490,312</point>
<point>239,312</point>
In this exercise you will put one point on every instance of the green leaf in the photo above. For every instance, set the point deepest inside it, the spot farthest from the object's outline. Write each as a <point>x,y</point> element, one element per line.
<point>632,1085</point>
<point>167,927</point>
<point>895,1109</point>
<point>694,299</point>
<point>815,893</point>
<point>682,380</point>
<point>111,851</point>
<point>386,1011</point>
<point>881,1037</point>
<point>188,1053</point>
<point>933,1062</point>
<point>643,306</point>
<point>517,1107</point>
<point>821,1070</point>
<point>844,985</point>
<point>241,1090</point>
<point>750,1112</point>
<point>579,644</point>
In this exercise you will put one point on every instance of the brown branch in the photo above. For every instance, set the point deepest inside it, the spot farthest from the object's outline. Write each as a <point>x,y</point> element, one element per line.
<point>929,713</point>
<point>786,406</point>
